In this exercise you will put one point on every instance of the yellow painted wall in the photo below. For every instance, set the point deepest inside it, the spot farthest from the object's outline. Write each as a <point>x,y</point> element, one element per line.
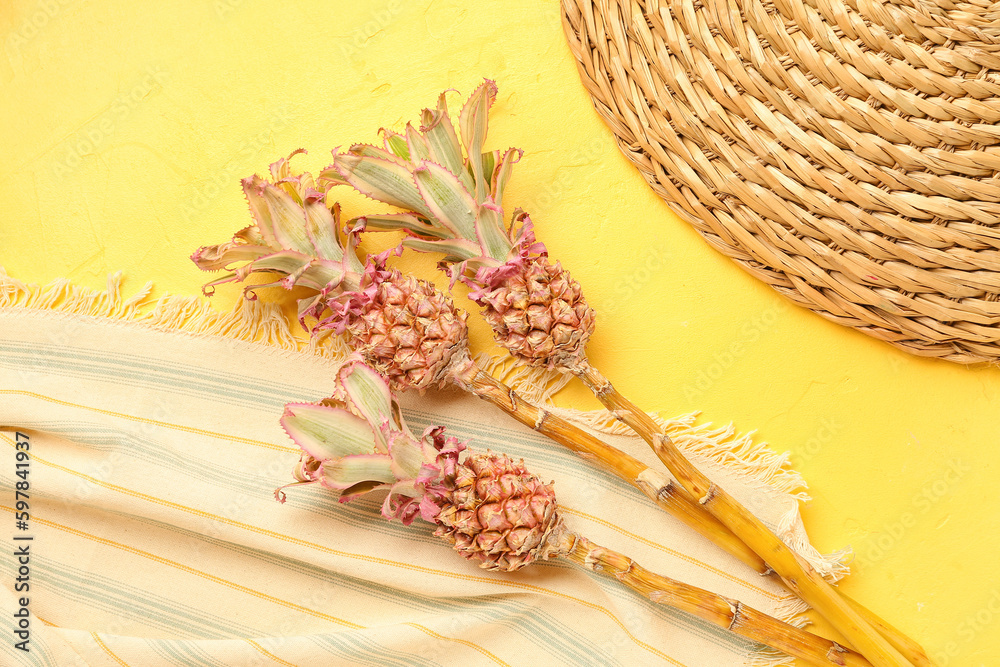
<point>127,125</point>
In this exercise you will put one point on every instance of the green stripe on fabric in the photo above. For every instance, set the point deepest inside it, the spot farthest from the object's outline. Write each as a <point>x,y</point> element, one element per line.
<point>132,371</point>
<point>181,369</point>
<point>538,626</point>
<point>128,602</point>
<point>38,654</point>
<point>357,646</point>
<point>184,652</point>
<point>167,649</point>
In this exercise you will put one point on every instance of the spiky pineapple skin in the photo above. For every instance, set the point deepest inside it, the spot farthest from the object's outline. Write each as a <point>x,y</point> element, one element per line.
<point>497,513</point>
<point>408,330</point>
<point>538,313</point>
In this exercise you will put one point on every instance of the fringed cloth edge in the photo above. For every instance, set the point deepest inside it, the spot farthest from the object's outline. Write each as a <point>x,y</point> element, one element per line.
<point>257,322</point>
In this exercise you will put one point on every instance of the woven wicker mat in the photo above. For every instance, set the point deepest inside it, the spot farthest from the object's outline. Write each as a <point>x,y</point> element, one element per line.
<point>846,153</point>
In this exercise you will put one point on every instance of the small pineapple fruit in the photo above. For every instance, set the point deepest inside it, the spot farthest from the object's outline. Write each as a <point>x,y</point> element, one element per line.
<point>405,328</point>
<point>491,509</point>
<point>498,513</point>
<point>535,308</point>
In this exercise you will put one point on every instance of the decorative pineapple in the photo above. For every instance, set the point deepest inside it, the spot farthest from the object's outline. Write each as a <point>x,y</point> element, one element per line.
<point>536,309</point>
<point>489,508</point>
<point>451,200</point>
<point>406,328</point>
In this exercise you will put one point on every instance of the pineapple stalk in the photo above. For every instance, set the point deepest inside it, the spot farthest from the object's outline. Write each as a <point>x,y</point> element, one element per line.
<point>797,574</point>
<point>489,508</point>
<point>723,612</point>
<point>450,192</point>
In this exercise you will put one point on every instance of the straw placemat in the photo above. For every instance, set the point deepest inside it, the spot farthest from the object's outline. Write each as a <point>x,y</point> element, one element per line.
<point>846,153</point>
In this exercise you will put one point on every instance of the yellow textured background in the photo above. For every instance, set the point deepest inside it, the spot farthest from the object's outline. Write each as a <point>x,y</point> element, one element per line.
<point>128,125</point>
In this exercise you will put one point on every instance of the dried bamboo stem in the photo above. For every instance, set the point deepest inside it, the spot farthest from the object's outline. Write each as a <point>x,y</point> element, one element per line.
<point>799,576</point>
<point>910,649</point>
<point>723,612</point>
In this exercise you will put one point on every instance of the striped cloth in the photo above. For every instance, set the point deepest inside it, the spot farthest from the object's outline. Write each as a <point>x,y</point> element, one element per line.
<point>155,538</point>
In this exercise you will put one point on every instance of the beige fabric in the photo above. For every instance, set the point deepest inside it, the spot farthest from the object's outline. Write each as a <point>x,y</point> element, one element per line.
<point>155,449</point>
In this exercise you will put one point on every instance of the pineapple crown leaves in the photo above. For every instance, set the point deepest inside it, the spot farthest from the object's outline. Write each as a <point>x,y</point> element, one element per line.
<point>361,444</point>
<point>336,312</point>
<point>527,249</point>
<point>451,199</point>
<point>295,234</point>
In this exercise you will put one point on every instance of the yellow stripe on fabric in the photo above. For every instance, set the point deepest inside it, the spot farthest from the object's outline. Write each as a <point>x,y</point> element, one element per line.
<point>677,554</point>
<point>270,655</point>
<point>361,557</point>
<point>242,589</point>
<point>48,623</point>
<point>196,572</point>
<point>154,422</point>
<point>107,650</point>
<point>267,653</point>
<point>460,641</point>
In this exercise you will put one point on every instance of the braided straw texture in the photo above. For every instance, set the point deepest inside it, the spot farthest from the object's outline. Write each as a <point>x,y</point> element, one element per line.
<point>846,152</point>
